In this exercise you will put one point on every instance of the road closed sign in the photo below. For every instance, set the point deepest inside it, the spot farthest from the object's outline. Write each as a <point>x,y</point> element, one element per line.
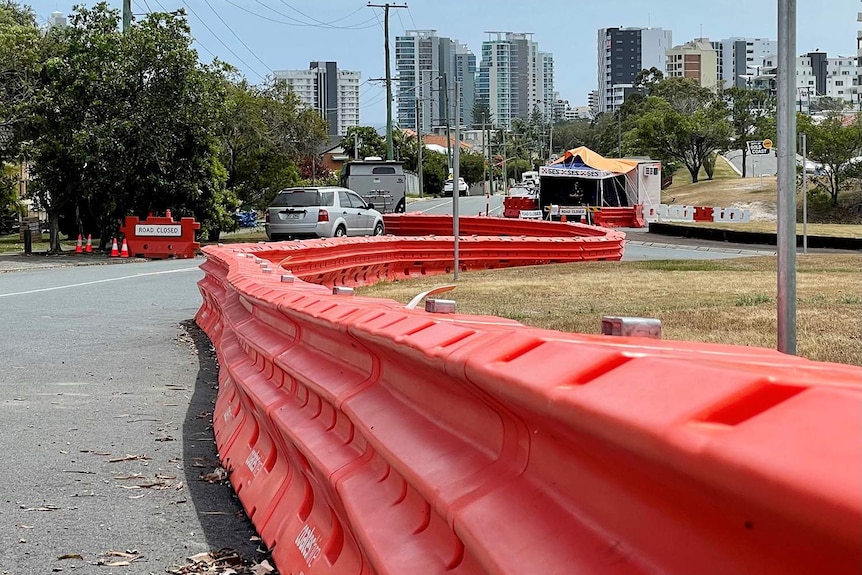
<point>759,147</point>
<point>159,230</point>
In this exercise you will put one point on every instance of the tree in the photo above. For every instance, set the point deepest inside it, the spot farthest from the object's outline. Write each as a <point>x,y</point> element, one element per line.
<point>828,104</point>
<point>749,111</point>
<point>482,113</point>
<point>370,142</point>
<point>568,135</point>
<point>646,80</point>
<point>690,139</point>
<point>435,170</point>
<point>472,167</point>
<point>832,144</point>
<point>126,123</point>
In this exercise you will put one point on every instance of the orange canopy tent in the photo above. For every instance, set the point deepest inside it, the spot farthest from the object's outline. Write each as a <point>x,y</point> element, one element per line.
<point>583,158</point>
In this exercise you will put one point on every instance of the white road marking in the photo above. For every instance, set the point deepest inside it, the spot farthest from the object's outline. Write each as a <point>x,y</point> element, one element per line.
<point>435,206</point>
<point>133,276</point>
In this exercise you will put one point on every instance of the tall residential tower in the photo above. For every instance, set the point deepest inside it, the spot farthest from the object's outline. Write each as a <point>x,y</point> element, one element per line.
<point>333,92</point>
<point>623,52</point>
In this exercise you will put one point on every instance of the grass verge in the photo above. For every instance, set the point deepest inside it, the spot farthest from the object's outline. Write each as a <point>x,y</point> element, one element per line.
<point>720,301</point>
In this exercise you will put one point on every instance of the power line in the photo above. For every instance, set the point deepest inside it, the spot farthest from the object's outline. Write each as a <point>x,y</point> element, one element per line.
<point>410,13</point>
<point>236,36</point>
<point>217,37</point>
<point>403,27</point>
<point>299,23</point>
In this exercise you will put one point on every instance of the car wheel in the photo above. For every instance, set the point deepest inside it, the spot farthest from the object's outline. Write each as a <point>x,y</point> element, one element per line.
<point>340,232</point>
<point>378,229</point>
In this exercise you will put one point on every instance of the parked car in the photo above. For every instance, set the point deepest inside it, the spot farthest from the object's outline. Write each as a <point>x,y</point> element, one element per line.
<point>321,212</point>
<point>462,187</point>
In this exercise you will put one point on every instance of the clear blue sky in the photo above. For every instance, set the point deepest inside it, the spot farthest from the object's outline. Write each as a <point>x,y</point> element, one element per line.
<point>289,34</point>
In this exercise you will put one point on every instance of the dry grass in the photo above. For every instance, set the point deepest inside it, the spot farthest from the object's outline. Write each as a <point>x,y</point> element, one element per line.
<point>720,301</point>
<point>726,188</point>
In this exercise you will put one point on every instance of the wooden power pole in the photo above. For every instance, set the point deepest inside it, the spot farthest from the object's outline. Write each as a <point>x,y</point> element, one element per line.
<point>386,8</point>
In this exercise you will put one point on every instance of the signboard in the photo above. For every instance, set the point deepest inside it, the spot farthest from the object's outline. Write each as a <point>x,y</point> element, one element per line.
<point>159,230</point>
<point>759,147</point>
<point>573,173</point>
<point>530,214</point>
<point>572,211</point>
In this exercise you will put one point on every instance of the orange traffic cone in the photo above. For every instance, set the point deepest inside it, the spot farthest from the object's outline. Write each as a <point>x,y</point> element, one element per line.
<point>89,248</point>
<point>78,248</point>
<point>124,253</point>
<point>563,218</point>
<point>115,251</point>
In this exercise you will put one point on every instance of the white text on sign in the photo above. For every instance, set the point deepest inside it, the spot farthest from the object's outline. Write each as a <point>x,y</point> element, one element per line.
<point>160,230</point>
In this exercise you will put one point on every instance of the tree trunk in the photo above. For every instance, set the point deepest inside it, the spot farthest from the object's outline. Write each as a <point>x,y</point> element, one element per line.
<point>834,184</point>
<point>709,165</point>
<point>54,231</point>
<point>694,170</point>
<point>744,154</point>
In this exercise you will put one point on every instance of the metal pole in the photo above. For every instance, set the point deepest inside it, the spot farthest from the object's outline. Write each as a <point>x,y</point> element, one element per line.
<point>619,133</point>
<point>490,162</point>
<point>786,237</point>
<point>448,123</point>
<point>551,143</point>
<point>505,172</point>
<point>804,195</point>
<point>356,146</point>
<point>419,144</point>
<point>456,192</point>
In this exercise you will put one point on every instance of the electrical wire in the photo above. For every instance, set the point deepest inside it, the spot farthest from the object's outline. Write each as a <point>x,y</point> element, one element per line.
<point>217,37</point>
<point>409,13</point>
<point>299,23</point>
<point>250,51</point>
<point>403,27</point>
<point>300,12</point>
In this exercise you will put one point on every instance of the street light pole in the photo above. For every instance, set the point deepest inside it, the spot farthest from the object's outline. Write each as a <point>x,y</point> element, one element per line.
<point>456,188</point>
<point>786,236</point>
<point>419,144</point>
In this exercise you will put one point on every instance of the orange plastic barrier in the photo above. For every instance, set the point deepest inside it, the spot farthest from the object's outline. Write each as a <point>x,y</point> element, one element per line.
<point>486,243</point>
<point>161,237</point>
<point>619,217</point>
<point>363,437</point>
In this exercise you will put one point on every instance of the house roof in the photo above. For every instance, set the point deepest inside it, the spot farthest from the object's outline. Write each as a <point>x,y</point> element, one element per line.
<point>435,140</point>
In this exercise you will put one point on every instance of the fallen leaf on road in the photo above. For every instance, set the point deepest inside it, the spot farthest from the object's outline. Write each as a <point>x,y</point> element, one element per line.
<point>262,568</point>
<point>70,556</point>
<point>203,414</point>
<point>132,476</point>
<point>163,476</point>
<point>166,438</point>
<point>42,508</point>
<point>218,475</point>
<point>136,496</point>
<point>79,471</point>
<point>129,458</point>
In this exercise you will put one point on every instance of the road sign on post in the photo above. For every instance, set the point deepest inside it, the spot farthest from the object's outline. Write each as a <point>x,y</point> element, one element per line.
<point>759,147</point>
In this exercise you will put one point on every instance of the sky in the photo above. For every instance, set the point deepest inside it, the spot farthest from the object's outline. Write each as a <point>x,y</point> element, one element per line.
<point>258,36</point>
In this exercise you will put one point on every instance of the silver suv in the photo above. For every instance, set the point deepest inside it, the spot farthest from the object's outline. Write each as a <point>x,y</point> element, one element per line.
<point>321,212</point>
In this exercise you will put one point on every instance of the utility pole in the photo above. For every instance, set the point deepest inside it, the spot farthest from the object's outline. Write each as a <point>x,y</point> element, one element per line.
<point>448,122</point>
<point>490,161</point>
<point>386,8</point>
<point>456,189</point>
<point>619,133</point>
<point>786,119</point>
<point>419,144</point>
<point>505,173</point>
<point>356,146</point>
<point>127,15</point>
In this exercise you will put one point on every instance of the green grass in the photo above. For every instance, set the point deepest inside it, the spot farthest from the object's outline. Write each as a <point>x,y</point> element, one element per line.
<point>12,244</point>
<point>722,171</point>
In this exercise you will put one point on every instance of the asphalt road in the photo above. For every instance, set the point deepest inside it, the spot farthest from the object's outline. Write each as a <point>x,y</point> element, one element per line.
<point>107,391</point>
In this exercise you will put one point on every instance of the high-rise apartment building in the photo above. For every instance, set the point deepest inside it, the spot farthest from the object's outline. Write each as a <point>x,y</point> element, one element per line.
<point>422,59</point>
<point>57,20</point>
<point>333,92</point>
<point>623,52</point>
<point>817,75</point>
<point>515,79</point>
<point>695,60</point>
<point>593,102</point>
<point>859,61</point>
<point>737,55</point>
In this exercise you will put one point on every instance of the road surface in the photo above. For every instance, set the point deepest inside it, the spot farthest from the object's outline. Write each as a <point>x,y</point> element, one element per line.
<point>107,395</point>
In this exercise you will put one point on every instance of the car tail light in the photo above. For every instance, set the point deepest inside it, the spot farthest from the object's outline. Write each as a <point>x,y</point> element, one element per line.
<point>322,216</point>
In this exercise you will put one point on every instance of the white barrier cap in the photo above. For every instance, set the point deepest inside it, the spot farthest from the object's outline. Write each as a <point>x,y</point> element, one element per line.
<point>631,326</point>
<point>440,305</point>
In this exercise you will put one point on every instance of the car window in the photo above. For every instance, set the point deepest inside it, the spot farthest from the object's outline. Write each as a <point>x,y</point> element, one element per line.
<point>327,199</point>
<point>344,199</point>
<point>356,201</point>
<point>383,170</point>
<point>296,199</point>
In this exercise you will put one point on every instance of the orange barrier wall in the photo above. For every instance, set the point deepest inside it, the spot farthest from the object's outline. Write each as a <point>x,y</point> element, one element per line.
<point>486,243</point>
<point>362,437</point>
